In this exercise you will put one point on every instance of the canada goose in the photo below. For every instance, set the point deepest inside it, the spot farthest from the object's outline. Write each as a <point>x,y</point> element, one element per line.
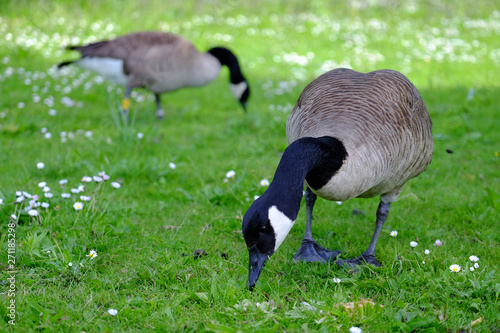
<point>159,62</point>
<point>351,135</point>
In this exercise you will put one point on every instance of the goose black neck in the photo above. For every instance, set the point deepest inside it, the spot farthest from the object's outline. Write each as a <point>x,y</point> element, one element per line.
<point>227,58</point>
<point>316,160</point>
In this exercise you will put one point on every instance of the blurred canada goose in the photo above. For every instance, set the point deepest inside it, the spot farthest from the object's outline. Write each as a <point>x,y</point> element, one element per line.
<point>159,62</point>
<point>351,135</point>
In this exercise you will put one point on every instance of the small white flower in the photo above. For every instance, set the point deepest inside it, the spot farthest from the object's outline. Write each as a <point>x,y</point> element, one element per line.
<point>473,258</point>
<point>113,312</point>
<point>20,105</point>
<point>32,212</point>
<point>88,134</point>
<point>471,269</point>
<point>35,197</point>
<point>46,189</point>
<point>19,193</point>
<point>45,205</point>
<point>20,199</point>
<point>394,233</point>
<point>84,198</point>
<point>65,195</point>
<point>1,201</point>
<point>86,179</point>
<point>40,165</point>
<point>48,195</point>
<point>97,179</point>
<point>338,202</point>
<point>42,184</point>
<point>423,262</point>
<point>140,135</point>
<point>81,264</point>
<point>413,244</point>
<point>52,112</point>
<point>26,194</point>
<point>78,206</point>
<point>70,264</point>
<point>75,190</point>
<point>438,243</point>
<point>92,254</point>
<point>230,174</point>
<point>172,165</point>
<point>14,217</point>
<point>427,251</point>
<point>476,265</point>
<point>48,251</point>
<point>81,188</point>
<point>355,329</point>
<point>115,185</point>
<point>336,280</point>
<point>225,180</point>
<point>63,181</point>
<point>455,268</point>
<point>44,130</point>
<point>264,182</point>
<point>47,135</point>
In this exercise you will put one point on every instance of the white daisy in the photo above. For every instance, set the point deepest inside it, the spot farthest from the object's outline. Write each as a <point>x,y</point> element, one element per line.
<point>32,212</point>
<point>92,254</point>
<point>473,258</point>
<point>78,206</point>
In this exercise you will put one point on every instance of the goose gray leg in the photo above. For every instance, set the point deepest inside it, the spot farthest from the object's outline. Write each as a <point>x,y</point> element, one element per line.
<point>310,250</point>
<point>160,114</point>
<point>126,102</point>
<point>369,255</point>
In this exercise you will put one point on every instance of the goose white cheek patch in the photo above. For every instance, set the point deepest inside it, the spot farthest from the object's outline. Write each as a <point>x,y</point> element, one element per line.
<point>281,225</point>
<point>238,89</point>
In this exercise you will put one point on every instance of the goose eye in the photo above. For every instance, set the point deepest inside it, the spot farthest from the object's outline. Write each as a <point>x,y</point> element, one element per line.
<point>263,229</point>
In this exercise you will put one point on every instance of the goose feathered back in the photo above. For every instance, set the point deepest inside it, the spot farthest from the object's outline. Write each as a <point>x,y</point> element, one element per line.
<point>383,123</point>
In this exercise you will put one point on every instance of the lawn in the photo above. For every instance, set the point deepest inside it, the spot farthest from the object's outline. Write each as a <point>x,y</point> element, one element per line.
<point>170,253</point>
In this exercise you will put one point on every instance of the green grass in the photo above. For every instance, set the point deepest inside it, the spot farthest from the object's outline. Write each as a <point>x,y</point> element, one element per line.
<point>146,231</point>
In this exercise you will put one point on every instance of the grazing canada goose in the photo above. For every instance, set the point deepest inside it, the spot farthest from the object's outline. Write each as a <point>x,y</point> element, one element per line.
<point>351,135</point>
<point>159,62</point>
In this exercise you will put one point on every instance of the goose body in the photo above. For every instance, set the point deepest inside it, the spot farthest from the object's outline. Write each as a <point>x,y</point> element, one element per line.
<point>351,135</point>
<point>160,62</point>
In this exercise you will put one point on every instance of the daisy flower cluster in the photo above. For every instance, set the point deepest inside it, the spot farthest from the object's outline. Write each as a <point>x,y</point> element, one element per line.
<point>47,195</point>
<point>453,268</point>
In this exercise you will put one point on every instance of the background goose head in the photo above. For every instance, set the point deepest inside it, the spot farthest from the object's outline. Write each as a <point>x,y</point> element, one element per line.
<point>239,86</point>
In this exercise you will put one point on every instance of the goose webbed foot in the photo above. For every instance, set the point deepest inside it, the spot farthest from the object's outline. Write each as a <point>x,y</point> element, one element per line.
<point>310,251</point>
<point>361,260</point>
<point>160,114</point>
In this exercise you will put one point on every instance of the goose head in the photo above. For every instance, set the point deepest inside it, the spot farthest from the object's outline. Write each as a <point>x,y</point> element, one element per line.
<point>265,227</point>
<point>239,85</point>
